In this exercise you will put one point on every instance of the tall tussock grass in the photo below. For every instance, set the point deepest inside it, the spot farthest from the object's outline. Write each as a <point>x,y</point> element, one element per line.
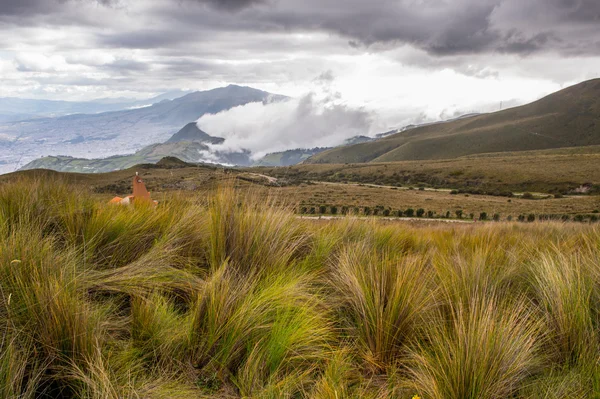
<point>233,296</point>
<point>384,298</point>
<point>487,349</point>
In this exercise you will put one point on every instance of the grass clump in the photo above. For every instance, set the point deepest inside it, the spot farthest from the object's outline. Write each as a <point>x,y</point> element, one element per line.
<point>486,350</point>
<point>384,299</point>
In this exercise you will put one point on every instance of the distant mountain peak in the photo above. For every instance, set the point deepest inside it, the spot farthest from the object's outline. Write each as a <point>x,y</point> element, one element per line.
<point>192,133</point>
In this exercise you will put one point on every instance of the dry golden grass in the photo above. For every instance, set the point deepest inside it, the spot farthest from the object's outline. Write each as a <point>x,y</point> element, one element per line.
<point>231,296</point>
<point>541,171</point>
<point>438,201</point>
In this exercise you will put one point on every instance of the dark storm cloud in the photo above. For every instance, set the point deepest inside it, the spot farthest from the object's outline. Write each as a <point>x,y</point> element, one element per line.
<point>29,7</point>
<point>440,27</point>
<point>19,7</point>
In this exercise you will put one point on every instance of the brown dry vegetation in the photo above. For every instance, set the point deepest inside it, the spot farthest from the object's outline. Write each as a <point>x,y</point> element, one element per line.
<point>438,201</point>
<point>547,171</point>
<point>320,185</point>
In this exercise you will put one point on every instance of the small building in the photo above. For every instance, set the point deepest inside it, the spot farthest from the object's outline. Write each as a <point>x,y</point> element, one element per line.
<point>140,193</point>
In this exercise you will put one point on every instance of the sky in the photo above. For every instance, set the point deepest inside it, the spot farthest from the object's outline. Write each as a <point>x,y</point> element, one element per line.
<point>386,62</point>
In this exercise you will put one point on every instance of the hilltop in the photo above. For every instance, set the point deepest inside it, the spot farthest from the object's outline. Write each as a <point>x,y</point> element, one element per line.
<point>568,118</point>
<point>191,133</point>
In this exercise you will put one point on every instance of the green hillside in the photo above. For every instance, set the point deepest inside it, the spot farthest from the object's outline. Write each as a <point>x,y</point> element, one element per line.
<point>289,157</point>
<point>568,118</point>
<point>186,151</point>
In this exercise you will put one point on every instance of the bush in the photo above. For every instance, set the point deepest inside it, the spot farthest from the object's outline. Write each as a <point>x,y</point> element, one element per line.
<point>531,217</point>
<point>420,212</point>
<point>527,196</point>
<point>483,216</point>
<point>334,210</point>
<point>459,213</point>
<point>409,212</point>
<point>430,214</point>
<point>496,217</point>
<point>322,209</point>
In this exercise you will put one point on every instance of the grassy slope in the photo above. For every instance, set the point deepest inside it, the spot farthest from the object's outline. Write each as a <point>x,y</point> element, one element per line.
<point>226,296</point>
<point>186,151</point>
<point>538,171</point>
<point>542,171</point>
<point>568,118</point>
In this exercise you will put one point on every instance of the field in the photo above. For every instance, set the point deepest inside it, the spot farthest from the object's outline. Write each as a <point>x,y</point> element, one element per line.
<point>227,294</point>
<point>546,171</point>
<point>440,202</point>
<point>493,184</point>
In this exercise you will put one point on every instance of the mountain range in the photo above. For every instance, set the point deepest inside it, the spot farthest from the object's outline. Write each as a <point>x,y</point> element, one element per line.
<point>568,118</point>
<point>190,144</point>
<point>20,109</point>
<point>119,132</point>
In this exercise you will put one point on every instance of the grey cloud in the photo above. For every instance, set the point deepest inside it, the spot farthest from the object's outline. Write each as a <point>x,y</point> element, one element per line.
<point>326,77</point>
<point>18,7</point>
<point>83,81</point>
<point>28,7</point>
<point>439,27</point>
<point>231,5</point>
<point>143,39</point>
<point>126,66</point>
<point>267,42</point>
<point>515,42</point>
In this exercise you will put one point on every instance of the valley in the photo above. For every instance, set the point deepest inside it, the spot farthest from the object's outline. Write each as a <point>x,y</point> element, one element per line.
<point>107,134</point>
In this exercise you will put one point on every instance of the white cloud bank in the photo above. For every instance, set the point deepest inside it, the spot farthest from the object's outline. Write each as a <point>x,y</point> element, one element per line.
<point>305,122</point>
